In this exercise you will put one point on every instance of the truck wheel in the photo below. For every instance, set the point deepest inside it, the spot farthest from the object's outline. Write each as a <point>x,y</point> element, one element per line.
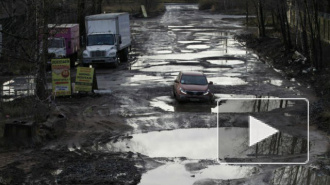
<point>116,63</point>
<point>124,55</point>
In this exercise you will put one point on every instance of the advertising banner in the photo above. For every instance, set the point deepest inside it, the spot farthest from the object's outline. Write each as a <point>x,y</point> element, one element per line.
<point>84,79</point>
<point>61,78</point>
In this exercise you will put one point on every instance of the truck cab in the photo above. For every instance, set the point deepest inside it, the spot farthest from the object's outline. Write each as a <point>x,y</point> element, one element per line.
<point>107,39</point>
<point>101,46</point>
<point>56,47</point>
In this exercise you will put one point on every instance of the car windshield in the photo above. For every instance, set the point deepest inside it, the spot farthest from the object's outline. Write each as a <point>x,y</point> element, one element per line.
<point>193,80</point>
<point>100,39</point>
<point>56,43</point>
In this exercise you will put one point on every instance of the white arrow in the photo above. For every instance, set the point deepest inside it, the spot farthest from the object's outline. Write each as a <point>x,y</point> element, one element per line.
<point>259,131</point>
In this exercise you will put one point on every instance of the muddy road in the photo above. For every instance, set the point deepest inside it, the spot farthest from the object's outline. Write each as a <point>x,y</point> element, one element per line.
<point>135,132</point>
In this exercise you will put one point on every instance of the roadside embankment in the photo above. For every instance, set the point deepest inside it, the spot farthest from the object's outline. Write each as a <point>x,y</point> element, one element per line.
<point>294,66</point>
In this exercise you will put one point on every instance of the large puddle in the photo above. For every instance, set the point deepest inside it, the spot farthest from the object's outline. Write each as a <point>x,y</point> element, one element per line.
<point>202,143</point>
<point>227,81</point>
<point>172,68</point>
<point>265,104</point>
<point>258,105</point>
<point>190,172</point>
<point>226,62</point>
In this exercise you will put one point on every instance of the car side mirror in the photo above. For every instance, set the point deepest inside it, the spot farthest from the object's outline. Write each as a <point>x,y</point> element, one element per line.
<point>176,81</point>
<point>210,83</point>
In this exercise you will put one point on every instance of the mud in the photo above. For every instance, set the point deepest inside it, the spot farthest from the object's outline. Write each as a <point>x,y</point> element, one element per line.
<point>134,105</point>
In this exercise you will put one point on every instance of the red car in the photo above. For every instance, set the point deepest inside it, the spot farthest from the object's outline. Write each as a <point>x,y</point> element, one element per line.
<point>192,86</point>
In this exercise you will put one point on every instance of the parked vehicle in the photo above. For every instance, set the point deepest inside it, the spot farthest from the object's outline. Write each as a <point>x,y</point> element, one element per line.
<point>64,41</point>
<point>192,86</point>
<point>108,38</point>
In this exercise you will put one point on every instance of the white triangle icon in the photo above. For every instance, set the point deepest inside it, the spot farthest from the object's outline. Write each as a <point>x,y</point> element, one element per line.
<point>259,131</point>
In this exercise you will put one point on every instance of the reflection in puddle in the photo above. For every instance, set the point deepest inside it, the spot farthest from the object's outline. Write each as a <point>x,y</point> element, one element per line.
<point>299,175</point>
<point>257,105</point>
<point>226,62</point>
<point>227,81</point>
<point>198,47</point>
<point>174,173</point>
<point>234,146</point>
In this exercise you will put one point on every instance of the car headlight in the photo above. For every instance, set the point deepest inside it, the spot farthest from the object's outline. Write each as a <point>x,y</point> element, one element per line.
<point>112,54</point>
<point>183,91</point>
<point>207,92</point>
<point>85,54</point>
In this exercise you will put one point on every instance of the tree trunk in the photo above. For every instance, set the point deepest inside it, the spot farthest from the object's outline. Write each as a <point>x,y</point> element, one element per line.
<point>318,35</point>
<point>98,8</point>
<point>81,20</point>
<point>41,74</point>
<point>262,20</point>
<point>247,12</point>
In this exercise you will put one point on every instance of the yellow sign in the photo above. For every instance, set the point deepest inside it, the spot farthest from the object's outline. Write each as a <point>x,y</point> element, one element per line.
<point>84,79</point>
<point>61,78</point>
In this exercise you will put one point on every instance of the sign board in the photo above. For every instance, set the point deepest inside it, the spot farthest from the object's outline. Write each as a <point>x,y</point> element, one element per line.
<point>84,79</point>
<point>144,11</point>
<point>61,78</point>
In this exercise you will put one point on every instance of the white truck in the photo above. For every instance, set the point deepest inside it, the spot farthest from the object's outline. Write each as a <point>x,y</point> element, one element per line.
<point>108,39</point>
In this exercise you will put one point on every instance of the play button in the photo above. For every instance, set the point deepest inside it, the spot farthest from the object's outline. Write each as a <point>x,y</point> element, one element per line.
<point>259,131</point>
<point>263,130</point>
